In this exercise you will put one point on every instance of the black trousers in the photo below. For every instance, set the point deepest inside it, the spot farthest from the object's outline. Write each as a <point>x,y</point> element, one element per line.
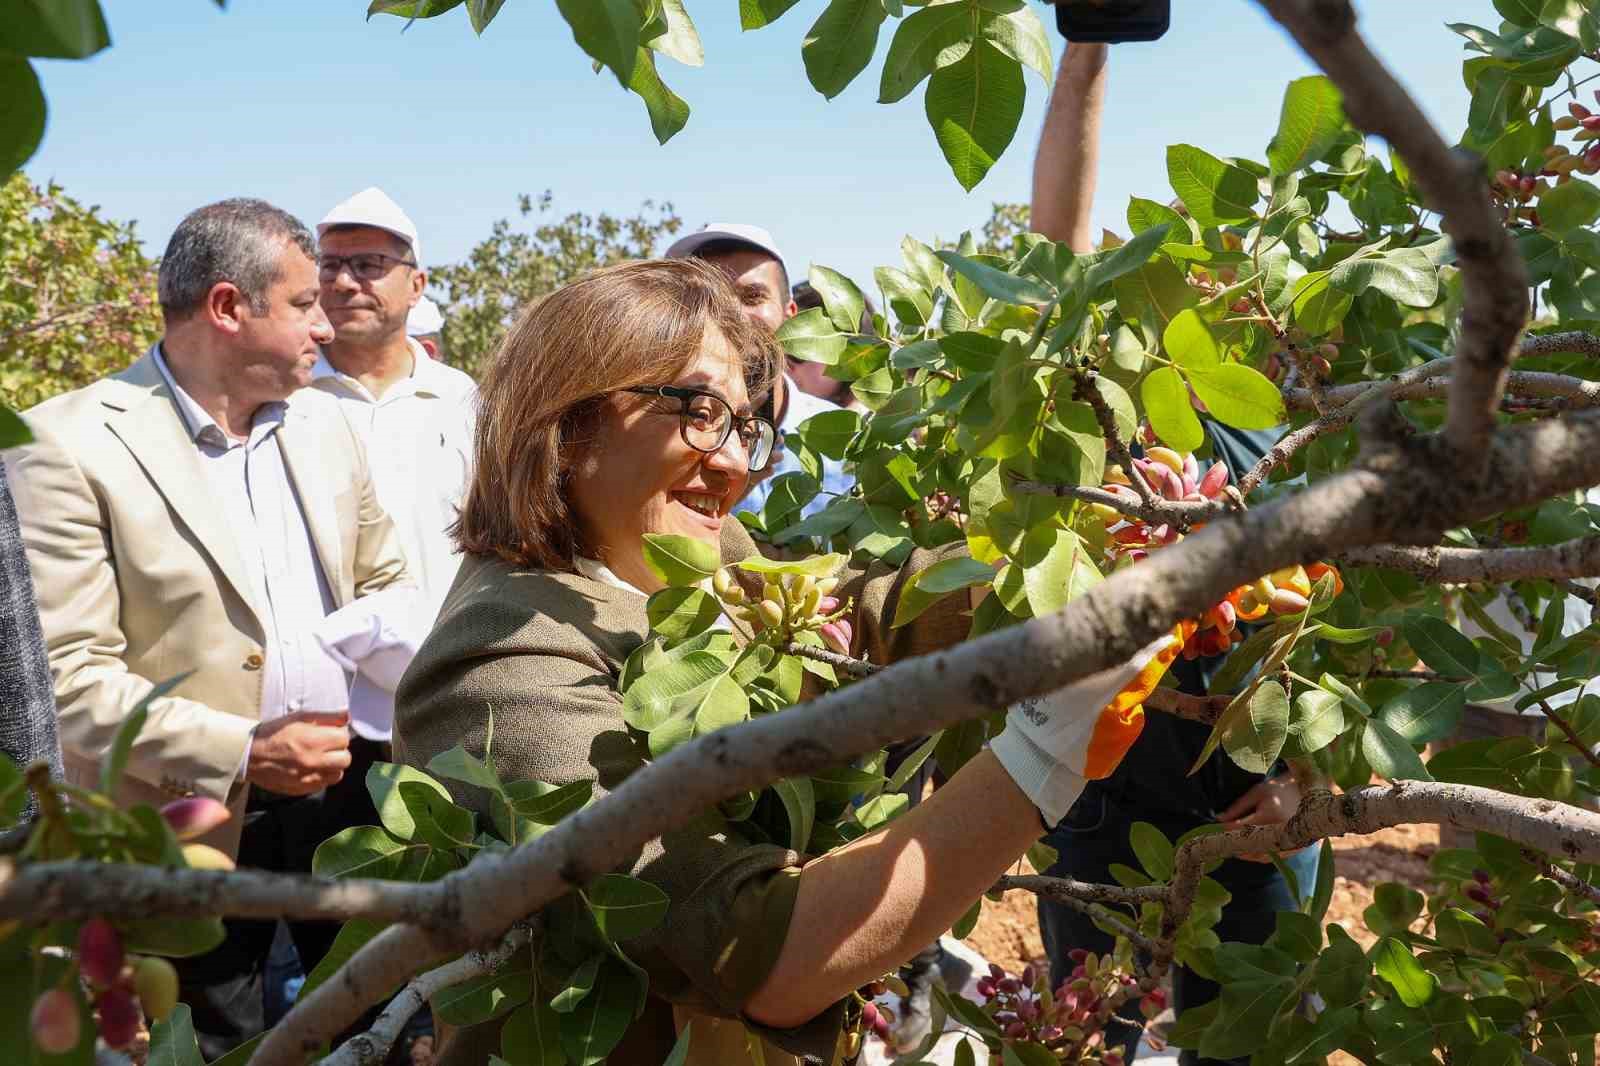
<point>224,987</point>
<point>1092,837</point>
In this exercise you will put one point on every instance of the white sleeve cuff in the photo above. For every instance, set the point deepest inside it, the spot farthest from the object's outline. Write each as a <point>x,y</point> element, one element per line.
<point>1052,787</point>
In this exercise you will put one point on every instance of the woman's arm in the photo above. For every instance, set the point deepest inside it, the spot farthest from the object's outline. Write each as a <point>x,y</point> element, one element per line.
<point>869,906</point>
<point>1069,148</point>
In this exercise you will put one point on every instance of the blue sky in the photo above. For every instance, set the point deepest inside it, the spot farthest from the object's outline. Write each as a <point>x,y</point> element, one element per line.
<point>303,102</point>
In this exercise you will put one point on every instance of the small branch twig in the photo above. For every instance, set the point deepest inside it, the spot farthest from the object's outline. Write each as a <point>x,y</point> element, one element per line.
<point>853,667</point>
<point>1569,881</point>
<point>1064,888</point>
<point>372,1047</point>
<point>1182,513</point>
<point>1586,750</point>
<point>1088,390</point>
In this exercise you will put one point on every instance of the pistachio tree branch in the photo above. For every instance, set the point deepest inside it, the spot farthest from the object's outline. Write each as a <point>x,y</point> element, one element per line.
<point>1063,888</point>
<point>1566,880</point>
<point>1494,281</point>
<point>853,667</point>
<point>371,1048</point>
<point>73,890</point>
<point>1572,735</point>
<point>1088,390</point>
<point>1181,513</point>
<point>1569,559</point>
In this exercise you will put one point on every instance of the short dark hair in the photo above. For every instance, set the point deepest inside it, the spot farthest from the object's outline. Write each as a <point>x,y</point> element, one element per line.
<point>729,245</point>
<point>239,241</point>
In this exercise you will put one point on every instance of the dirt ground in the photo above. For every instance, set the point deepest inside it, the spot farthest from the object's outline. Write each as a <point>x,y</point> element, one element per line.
<point>1008,932</point>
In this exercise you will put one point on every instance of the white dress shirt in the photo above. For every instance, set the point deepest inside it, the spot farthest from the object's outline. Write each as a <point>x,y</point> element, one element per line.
<point>289,590</point>
<point>419,444</point>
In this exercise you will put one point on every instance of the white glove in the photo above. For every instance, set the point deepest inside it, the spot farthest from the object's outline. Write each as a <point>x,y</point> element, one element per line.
<point>1052,747</point>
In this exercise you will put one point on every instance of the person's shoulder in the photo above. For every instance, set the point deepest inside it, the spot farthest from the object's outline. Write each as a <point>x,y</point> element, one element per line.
<point>498,607</point>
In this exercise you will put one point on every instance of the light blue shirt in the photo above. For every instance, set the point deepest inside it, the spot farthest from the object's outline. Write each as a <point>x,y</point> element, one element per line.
<point>802,405</point>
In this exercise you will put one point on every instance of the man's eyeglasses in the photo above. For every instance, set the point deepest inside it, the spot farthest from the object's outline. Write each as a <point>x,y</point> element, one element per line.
<point>366,266</point>
<point>706,422</point>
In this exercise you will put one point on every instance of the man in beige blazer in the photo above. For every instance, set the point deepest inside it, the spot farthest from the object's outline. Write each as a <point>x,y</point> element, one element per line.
<point>203,513</point>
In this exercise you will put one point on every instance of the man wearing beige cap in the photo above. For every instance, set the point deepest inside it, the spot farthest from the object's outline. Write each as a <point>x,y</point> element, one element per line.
<point>416,413</point>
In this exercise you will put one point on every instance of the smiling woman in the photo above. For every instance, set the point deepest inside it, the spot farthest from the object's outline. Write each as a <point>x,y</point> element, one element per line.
<point>620,406</point>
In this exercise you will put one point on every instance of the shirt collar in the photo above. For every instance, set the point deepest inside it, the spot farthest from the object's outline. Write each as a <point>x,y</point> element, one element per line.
<point>420,381</point>
<point>198,421</point>
<point>595,570</point>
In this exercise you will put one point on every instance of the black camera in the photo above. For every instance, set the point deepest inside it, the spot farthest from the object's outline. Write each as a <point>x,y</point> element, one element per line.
<point>1113,21</point>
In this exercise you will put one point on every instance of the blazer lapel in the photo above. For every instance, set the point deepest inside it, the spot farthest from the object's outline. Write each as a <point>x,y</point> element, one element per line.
<point>146,419</point>
<point>308,471</point>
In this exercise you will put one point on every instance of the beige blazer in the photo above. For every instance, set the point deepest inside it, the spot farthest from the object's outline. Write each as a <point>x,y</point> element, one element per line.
<point>139,579</point>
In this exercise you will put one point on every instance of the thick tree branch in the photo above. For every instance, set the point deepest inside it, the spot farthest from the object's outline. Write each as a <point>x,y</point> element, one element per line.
<point>1494,281</point>
<point>78,889</point>
<point>1573,558</point>
<point>1181,513</point>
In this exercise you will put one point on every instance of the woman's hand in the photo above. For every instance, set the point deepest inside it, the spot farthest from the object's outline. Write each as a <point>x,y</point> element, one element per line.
<point>1269,802</point>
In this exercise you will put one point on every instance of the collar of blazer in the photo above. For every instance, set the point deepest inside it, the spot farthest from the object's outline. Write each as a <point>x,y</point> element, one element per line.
<point>144,415</point>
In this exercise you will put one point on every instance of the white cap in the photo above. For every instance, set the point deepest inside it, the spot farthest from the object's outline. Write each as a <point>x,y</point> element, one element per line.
<point>754,236</point>
<point>424,319</point>
<point>372,207</point>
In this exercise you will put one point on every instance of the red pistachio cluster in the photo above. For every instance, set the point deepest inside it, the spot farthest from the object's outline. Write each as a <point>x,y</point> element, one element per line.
<point>1069,1019</point>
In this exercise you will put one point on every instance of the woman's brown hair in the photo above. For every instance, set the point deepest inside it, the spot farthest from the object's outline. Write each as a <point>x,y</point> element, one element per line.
<point>623,326</point>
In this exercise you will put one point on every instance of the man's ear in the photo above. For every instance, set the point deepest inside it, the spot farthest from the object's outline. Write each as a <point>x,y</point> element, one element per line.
<point>225,306</point>
<point>419,284</point>
<point>790,309</point>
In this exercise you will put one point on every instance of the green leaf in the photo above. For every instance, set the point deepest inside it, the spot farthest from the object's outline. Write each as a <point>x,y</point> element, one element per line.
<point>1448,651</point>
<point>1394,963</point>
<point>924,39</point>
<point>881,809</point>
<point>682,612</point>
<point>360,851</point>
<point>1155,852</point>
<point>1394,908</point>
<point>1406,276</point>
<point>1188,342</point>
<point>974,106</point>
<point>482,12</point>
<point>699,712</point>
<point>1390,756</point>
<point>812,336</point>
<point>1166,404</point>
<point>1316,906</point>
<point>458,765</point>
<point>1312,116</point>
<point>594,1029</point>
<point>680,560</point>
<point>679,39</point>
<point>928,586</point>
<point>1318,306</point>
<point>997,284</point>
<point>531,1036</point>
<point>1430,711</point>
<point>651,700</point>
<point>840,44</point>
<point>439,822</point>
<point>800,807</point>
<point>841,299</point>
<point>115,760</point>
<point>1342,969</point>
<point>1144,215</point>
<point>579,984</point>
<point>479,999</point>
<point>53,29</point>
<point>383,785</point>
<point>408,9</point>
<point>1214,192</point>
<point>1256,733</point>
<point>1154,294</point>
<point>625,907</point>
<point>1016,30</point>
<point>1249,1009</point>
<point>172,1041</point>
<point>607,31</point>
<point>1570,206</point>
<point>14,432</point>
<point>1126,258</point>
<point>1238,395</point>
<point>1455,928</point>
<point>680,1050</point>
<point>754,14</point>
<point>817,566</point>
<point>1317,722</point>
<point>668,113</point>
<point>1059,573</point>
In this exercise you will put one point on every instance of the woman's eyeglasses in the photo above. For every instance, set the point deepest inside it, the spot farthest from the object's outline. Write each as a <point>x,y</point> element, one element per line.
<point>366,266</point>
<point>706,422</point>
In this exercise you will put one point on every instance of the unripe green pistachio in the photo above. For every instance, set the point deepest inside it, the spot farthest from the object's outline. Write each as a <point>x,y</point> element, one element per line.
<point>771,612</point>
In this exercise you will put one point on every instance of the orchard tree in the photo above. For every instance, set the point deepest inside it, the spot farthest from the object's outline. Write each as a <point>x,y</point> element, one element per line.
<point>77,295</point>
<point>513,267</point>
<point>1436,441</point>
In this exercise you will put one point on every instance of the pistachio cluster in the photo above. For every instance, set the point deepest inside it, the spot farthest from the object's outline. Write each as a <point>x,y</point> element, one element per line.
<point>790,604</point>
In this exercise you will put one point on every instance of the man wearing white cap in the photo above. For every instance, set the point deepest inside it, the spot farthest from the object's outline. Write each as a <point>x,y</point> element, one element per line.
<point>425,325</point>
<point>750,258</point>
<point>416,413</point>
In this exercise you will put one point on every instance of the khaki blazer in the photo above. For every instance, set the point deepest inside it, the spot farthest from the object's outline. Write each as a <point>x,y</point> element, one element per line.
<point>139,578</point>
